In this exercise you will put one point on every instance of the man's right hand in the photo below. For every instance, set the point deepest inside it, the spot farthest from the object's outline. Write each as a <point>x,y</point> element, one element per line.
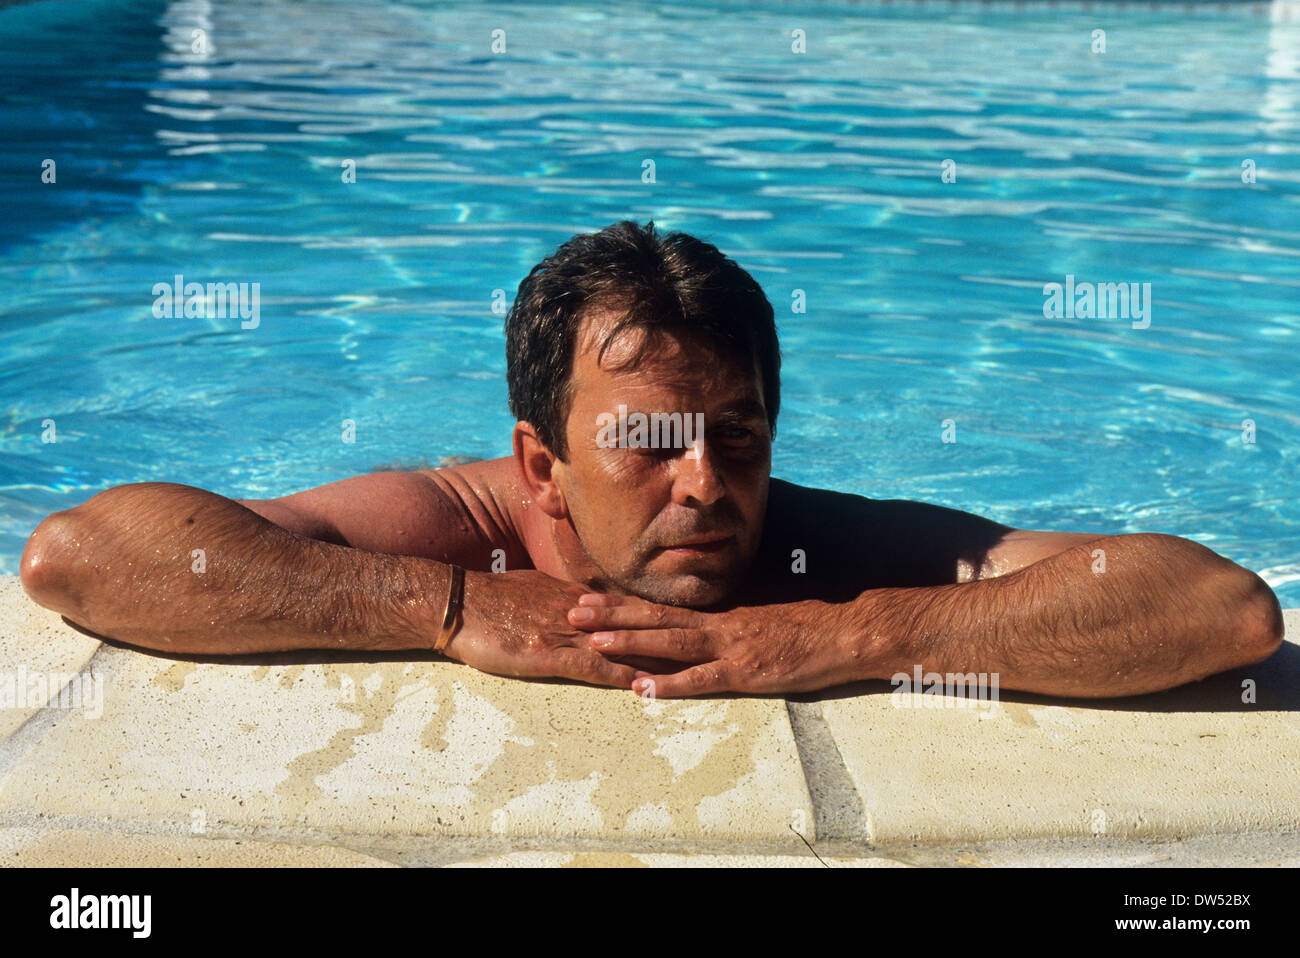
<point>516,623</point>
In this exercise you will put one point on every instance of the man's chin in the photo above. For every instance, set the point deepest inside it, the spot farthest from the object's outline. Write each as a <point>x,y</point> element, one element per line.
<point>695,591</point>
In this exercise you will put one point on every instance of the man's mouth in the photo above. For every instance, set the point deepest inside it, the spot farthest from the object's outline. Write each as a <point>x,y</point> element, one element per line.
<point>700,545</point>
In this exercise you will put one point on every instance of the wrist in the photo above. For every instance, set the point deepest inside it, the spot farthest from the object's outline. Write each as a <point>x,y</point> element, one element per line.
<point>451,609</point>
<point>871,643</point>
<point>470,624</point>
<point>418,609</point>
<point>834,630</point>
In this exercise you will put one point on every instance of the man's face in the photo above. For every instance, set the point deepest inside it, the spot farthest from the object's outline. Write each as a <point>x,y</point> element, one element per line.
<point>677,525</point>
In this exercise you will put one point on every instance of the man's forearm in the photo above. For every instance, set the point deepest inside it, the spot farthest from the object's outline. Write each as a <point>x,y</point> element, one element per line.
<point>179,569</point>
<point>1164,612</point>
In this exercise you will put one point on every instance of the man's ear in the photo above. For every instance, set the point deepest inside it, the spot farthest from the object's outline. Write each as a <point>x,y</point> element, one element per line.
<point>538,465</point>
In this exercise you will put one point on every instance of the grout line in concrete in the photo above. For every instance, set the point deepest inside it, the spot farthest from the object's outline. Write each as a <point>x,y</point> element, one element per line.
<point>838,813</point>
<point>29,734</point>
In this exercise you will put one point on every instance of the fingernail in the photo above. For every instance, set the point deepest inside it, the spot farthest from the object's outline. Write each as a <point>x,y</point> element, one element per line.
<point>582,615</point>
<point>602,640</point>
<point>589,598</point>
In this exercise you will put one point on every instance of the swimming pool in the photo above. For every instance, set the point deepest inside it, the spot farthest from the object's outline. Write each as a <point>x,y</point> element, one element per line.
<point>819,171</point>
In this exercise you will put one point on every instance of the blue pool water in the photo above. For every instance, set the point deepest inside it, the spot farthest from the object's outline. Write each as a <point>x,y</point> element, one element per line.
<point>817,171</point>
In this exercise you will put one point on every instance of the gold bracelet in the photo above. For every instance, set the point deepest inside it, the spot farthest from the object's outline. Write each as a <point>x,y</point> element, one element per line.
<point>455,598</point>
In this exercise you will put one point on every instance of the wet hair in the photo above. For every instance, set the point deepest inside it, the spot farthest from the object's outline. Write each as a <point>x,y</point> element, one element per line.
<point>672,283</point>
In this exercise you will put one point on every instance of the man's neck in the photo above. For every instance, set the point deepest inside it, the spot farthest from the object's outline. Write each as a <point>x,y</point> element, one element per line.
<point>553,544</point>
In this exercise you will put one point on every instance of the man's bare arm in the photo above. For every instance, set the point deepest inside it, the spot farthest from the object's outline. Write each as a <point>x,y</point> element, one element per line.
<point>180,569</point>
<point>1165,611</point>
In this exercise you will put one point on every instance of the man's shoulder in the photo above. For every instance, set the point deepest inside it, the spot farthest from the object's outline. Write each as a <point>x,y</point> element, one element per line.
<point>829,544</point>
<point>789,501</point>
<point>489,496</point>
<point>482,476</point>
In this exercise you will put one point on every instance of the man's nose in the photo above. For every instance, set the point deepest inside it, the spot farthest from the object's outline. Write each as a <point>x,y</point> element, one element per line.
<point>698,481</point>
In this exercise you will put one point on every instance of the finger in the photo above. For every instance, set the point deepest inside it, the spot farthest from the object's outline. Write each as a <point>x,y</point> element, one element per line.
<point>646,665</point>
<point>705,679</point>
<point>680,645</point>
<point>633,614</point>
<point>599,598</point>
<point>587,666</point>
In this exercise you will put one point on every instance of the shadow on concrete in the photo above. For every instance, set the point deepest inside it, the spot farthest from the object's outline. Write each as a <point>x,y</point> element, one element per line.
<point>309,657</point>
<point>1276,680</point>
<point>1276,689</point>
<point>305,657</point>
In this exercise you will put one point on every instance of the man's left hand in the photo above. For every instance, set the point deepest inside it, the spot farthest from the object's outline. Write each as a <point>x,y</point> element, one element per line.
<point>793,647</point>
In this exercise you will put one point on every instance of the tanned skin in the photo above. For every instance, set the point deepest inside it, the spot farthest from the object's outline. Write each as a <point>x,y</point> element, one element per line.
<point>667,571</point>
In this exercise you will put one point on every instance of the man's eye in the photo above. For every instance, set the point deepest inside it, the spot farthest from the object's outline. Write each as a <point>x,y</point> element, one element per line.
<point>736,435</point>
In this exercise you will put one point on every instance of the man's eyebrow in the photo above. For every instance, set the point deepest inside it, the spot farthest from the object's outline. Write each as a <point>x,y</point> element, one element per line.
<point>740,408</point>
<point>743,409</point>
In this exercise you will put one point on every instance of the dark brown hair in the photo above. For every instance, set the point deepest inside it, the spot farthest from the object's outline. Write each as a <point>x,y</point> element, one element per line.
<point>670,283</point>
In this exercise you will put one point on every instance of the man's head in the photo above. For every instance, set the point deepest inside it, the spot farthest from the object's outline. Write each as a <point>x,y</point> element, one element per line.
<point>625,322</point>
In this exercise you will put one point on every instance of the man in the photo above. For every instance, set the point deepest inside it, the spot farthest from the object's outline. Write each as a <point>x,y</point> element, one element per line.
<point>673,569</point>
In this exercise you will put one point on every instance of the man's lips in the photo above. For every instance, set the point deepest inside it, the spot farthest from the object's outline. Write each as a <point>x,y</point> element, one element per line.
<point>715,542</point>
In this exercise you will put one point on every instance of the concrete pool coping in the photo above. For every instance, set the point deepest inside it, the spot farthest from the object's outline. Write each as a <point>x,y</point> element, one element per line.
<point>110,756</point>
